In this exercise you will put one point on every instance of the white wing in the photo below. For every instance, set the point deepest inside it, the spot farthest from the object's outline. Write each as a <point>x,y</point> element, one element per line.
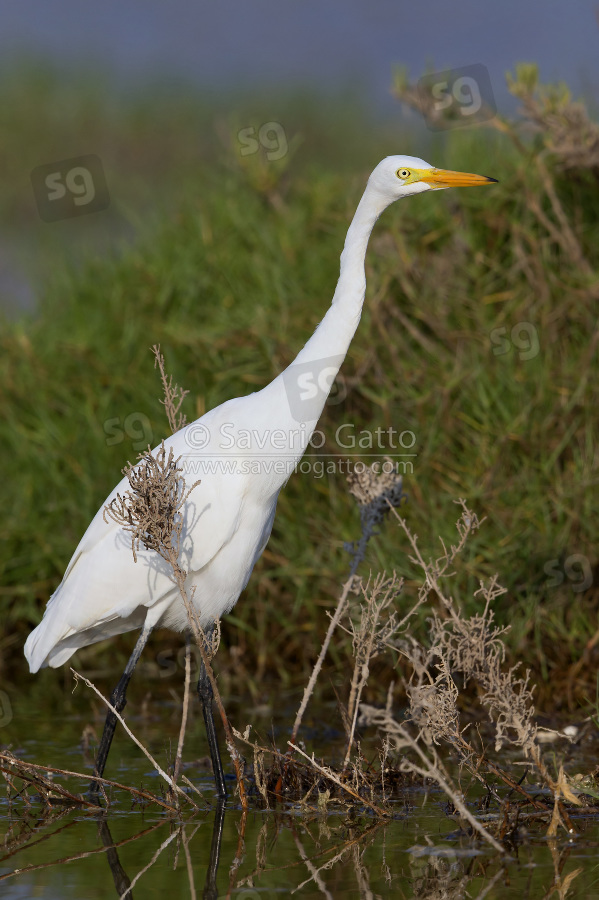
<point>104,592</point>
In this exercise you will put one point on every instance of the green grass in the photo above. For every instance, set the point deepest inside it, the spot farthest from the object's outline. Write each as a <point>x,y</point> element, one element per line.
<point>231,282</point>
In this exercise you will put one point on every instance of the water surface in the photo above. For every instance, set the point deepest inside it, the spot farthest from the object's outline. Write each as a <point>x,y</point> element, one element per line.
<point>312,850</point>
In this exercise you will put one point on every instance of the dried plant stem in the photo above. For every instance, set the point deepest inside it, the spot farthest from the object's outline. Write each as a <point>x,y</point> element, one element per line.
<point>514,785</point>
<point>535,755</point>
<point>375,494</point>
<point>179,756</point>
<point>173,786</point>
<point>239,853</point>
<point>40,782</point>
<point>173,394</point>
<point>335,619</point>
<point>22,772</point>
<point>315,875</point>
<point>372,633</point>
<point>475,648</point>
<point>162,847</point>
<point>354,718</point>
<point>330,775</point>
<point>151,513</point>
<point>200,639</point>
<point>85,854</point>
<point>351,844</point>
<point>188,862</point>
<point>433,769</point>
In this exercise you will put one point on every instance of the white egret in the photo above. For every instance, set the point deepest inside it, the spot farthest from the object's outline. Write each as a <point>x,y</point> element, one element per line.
<point>243,451</point>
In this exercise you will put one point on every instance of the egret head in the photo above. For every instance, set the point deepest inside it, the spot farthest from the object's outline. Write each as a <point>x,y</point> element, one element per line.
<point>402,176</point>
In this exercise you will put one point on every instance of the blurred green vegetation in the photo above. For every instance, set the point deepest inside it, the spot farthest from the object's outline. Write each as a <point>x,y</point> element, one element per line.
<point>479,335</point>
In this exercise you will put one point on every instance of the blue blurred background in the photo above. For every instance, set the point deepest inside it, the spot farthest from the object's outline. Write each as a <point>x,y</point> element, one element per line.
<point>132,82</point>
<point>328,43</point>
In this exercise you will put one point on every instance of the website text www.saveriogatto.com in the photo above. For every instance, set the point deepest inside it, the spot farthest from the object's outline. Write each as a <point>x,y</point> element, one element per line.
<point>237,451</point>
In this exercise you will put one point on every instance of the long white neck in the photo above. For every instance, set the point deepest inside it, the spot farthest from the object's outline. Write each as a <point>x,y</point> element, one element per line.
<point>334,334</point>
<point>296,397</point>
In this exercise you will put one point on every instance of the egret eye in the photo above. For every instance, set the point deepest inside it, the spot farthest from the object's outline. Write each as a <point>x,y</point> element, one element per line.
<point>403,173</point>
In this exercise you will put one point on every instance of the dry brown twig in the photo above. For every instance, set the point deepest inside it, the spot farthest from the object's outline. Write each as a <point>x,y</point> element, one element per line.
<point>309,689</point>
<point>151,511</point>
<point>474,648</point>
<point>429,765</point>
<point>179,755</point>
<point>370,634</point>
<point>170,781</point>
<point>84,854</point>
<point>173,394</point>
<point>135,879</point>
<point>332,776</point>
<point>375,494</point>
<point>30,773</point>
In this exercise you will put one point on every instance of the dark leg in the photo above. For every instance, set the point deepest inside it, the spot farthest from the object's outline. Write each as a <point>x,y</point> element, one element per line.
<point>205,694</point>
<point>119,700</point>
<point>210,887</point>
